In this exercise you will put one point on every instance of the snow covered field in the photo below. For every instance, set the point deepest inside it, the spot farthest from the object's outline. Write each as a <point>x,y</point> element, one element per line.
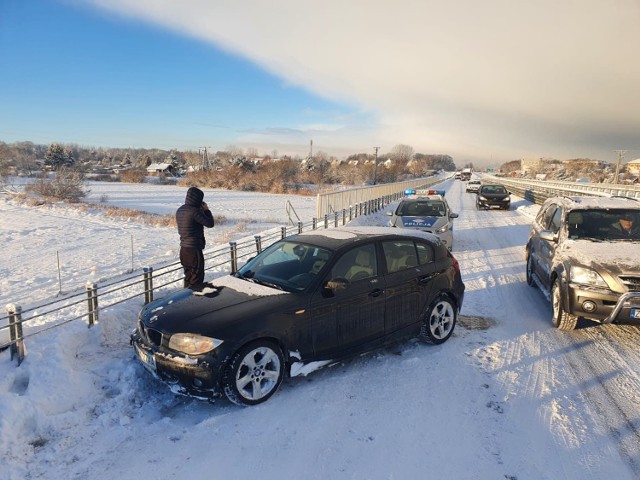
<point>507,397</point>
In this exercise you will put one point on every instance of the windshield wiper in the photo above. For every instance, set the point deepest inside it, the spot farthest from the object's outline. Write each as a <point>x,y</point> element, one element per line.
<point>266,284</point>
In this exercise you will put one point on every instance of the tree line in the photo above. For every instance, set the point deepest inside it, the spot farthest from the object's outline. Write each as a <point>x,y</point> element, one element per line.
<point>230,168</point>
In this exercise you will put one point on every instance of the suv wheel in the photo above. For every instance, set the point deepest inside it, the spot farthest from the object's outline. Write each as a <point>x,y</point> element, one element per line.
<point>562,320</point>
<point>530,280</point>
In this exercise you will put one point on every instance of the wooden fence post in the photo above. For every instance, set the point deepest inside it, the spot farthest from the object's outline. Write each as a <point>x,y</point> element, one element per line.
<point>258,243</point>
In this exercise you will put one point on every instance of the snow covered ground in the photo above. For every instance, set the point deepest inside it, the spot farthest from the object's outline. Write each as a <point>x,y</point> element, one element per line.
<point>506,397</point>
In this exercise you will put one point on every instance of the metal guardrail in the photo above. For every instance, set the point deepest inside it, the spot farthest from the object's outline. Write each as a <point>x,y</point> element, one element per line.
<point>24,323</point>
<point>538,191</point>
<point>327,203</point>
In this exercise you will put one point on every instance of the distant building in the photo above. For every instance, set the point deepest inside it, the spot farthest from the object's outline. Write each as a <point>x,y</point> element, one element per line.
<point>160,169</point>
<point>633,167</point>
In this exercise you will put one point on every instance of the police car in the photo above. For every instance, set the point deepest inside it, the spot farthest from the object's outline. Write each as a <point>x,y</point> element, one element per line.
<point>425,210</point>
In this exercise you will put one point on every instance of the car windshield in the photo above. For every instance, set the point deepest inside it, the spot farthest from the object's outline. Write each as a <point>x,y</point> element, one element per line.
<point>603,225</point>
<point>494,189</point>
<point>422,208</point>
<point>286,265</point>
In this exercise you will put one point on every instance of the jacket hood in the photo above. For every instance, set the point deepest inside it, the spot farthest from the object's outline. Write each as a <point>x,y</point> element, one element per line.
<point>194,197</point>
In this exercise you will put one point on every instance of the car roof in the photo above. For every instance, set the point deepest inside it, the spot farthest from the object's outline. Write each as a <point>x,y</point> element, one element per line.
<point>592,202</point>
<point>336,238</point>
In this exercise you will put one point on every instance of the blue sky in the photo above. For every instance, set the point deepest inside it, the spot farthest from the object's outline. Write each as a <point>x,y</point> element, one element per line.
<point>485,81</point>
<point>79,75</point>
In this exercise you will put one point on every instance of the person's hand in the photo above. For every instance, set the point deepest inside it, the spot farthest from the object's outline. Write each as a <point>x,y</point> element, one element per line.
<point>205,206</point>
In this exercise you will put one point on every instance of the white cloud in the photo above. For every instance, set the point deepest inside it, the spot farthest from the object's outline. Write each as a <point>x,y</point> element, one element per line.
<point>498,78</point>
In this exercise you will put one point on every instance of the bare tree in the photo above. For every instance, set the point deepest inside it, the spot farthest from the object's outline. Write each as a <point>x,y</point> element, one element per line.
<point>402,154</point>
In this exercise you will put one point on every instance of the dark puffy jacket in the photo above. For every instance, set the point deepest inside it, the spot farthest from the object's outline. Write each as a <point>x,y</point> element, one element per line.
<point>192,219</point>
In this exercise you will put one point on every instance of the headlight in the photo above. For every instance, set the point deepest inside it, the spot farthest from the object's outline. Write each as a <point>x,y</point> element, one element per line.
<point>193,344</point>
<point>586,276</point>
<point>480,197</point>
<point>505,199</point>
<point>443,229</point>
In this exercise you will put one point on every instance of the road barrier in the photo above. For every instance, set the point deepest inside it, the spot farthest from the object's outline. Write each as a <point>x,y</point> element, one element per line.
<point>537,191</point>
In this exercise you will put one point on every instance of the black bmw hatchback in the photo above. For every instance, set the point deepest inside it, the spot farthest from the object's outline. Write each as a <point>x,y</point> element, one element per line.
<point>305,302</point>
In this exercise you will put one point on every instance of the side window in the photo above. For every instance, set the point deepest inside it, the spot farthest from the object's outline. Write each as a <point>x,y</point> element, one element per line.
<point>556,221</point>
<point>357,264</point>
<point>425,253</point>
<point>545,218</point>
<point>399,255</point>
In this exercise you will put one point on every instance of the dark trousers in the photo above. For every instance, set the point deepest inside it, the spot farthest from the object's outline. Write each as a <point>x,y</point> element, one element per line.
<point>192,261</point>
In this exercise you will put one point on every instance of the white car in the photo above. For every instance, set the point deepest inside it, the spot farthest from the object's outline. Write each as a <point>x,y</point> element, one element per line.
<point>427,211</point>
<point>473,186</point>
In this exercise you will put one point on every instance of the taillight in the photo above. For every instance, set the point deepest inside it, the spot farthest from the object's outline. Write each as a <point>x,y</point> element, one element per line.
<point>456,265</point>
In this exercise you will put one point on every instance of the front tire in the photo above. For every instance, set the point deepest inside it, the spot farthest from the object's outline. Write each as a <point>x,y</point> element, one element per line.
<point>561,319</point>
<point>254,373</point>
<point>440,321</point>
<point>530,280</point>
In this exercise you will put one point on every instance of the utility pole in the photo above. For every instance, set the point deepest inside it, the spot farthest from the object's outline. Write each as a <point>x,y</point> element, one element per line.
<point>620,157</point>
<point>375,165</point>
<point>205,158</point>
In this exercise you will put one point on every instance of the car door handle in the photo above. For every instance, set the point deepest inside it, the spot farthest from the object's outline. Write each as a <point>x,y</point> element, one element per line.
<point>427,278</point>
<point>376,293</point>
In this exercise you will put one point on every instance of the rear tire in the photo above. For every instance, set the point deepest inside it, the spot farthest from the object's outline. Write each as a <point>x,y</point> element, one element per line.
<point>440,321</point>
<point>254,373</point>
<point>561,319</point>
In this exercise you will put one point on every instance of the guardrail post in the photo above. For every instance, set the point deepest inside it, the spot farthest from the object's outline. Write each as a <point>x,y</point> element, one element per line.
<point>299,227</point>
<point>350,212</point>
<point>283,232</point>
<point>326,221</point>
<point>148,284</point>
<point>258,243</point>
<point>335,219</point>
<point>234,256</point>
<point>92,303</point>
<point>314,223</point>
<point>344,216</point>
<point>15,332</point>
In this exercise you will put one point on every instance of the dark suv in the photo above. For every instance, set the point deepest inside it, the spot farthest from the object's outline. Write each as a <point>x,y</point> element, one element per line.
<point>583,254</point>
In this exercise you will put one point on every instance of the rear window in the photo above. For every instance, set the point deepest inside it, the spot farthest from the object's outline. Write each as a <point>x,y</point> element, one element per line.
<point>423,208</point>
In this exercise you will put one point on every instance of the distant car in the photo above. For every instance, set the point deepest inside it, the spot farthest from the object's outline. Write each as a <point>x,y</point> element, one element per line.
<point>493,196</point>
<point>306,301</point>
<point>427,211</point>
<point>586,263</point>
<point>473,186</point>
<point>457,175</point>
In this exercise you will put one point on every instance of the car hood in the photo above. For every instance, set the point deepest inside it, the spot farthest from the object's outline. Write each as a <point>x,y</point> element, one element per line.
<point>616,257</point>
<point>220,303</point>
<point>422,222</point>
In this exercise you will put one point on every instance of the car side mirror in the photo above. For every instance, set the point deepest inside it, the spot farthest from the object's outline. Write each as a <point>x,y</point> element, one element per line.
<point>336,284</point>
<point>390,213</point>
<point>549,236</point>
<point>453,215</point>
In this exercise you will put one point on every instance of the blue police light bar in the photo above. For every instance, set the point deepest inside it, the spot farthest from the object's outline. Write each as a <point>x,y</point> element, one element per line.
<point>409,192</point>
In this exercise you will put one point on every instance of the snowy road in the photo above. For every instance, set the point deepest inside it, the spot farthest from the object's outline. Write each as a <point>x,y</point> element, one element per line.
<point>508,396</point>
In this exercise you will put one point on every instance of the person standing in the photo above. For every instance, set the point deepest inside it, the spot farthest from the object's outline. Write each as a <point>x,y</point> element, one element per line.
<point>191,218</point>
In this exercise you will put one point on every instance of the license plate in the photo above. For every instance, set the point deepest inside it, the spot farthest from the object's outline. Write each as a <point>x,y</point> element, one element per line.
<point>635,313</point>
<point>147,360</point>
